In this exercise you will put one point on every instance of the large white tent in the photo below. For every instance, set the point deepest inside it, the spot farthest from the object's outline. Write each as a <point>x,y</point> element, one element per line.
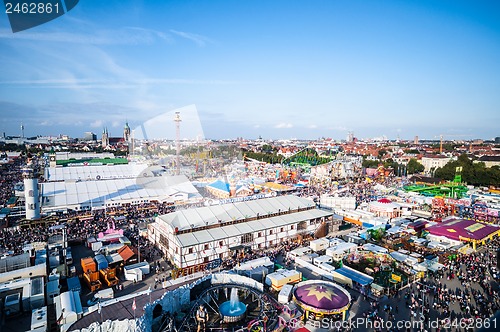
<point>95,194</point>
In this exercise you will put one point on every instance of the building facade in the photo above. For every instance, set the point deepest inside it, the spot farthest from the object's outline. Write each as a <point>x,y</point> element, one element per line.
<point>433,162</point>
<point>194,237</point>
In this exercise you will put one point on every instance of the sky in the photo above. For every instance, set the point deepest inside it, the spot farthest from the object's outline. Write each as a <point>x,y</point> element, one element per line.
<point>268,68</point>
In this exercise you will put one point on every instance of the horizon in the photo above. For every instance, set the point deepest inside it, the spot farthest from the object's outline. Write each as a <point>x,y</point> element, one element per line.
<point>273,69</point>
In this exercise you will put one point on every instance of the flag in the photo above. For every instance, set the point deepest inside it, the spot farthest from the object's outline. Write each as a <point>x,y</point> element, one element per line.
<point>133,305</point>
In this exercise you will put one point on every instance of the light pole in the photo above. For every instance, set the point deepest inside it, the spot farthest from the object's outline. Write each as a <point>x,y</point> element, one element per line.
<point>423,290</point>
<point>138,243</point>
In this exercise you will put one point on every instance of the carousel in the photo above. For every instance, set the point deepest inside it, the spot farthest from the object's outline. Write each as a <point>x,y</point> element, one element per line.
<point>322,299</point>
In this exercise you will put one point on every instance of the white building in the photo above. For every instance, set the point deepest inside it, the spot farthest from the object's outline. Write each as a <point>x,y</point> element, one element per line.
<point>432,162</point>
<point>197,236</point>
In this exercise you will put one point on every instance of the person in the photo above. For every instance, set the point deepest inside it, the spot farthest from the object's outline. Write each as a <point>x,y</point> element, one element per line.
<point>201,317</point>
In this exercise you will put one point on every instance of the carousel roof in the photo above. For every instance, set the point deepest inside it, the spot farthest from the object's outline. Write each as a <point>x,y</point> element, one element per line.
<point>321,296</point>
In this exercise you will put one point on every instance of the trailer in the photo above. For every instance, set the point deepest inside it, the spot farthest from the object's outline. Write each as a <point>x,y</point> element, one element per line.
<point>299,252</point>
<point>53,290</point>
<point>102,296</point>
<point>101,262</point>
<point>322,259</point>
<point>319,244</point>
<point>285,294</point>
<point>143,266</point>
<point>134,274</point>
<point>74,284</point>
<point>315,269</point>
<point>278,279</point>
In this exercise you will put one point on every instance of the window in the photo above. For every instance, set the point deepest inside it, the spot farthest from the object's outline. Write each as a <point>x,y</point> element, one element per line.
<point>190,250</point>
<point>206,247</point>
<point>270,243</point>
<point>205,260</point>
<point>260,234</point>
<point>163,241</point>
<point>302,225</point>
<point>177,250</point>
<point>247,238</point>
<point>281,229</point>
<point>221,243</point>
<point>30,193</point>
<point>292,227</point>
<point>270,232</point>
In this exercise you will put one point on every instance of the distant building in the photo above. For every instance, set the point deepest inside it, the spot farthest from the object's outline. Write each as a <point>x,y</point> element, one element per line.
<point>497,140</point>
<point>126,133</point>
<point>432,162</point>
<point>89,136</point>
<point>489,161</point>
<point>105,138</point>
<point>415,140</point>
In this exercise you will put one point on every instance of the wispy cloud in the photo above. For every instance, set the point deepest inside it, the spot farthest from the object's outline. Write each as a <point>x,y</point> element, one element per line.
<point>123,36</point>
<point>283,125</point>
<point>197,39</point>
<point>96,124</point>
<point>312,126</point>
<point>71,83</point>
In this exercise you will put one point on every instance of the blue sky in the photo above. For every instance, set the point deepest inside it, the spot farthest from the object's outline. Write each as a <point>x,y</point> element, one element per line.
<point>278,69</point>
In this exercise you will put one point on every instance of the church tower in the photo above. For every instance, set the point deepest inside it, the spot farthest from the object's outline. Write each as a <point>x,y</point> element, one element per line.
<point>105,138</point>
<point>52,158</point>
<point>126,133</point>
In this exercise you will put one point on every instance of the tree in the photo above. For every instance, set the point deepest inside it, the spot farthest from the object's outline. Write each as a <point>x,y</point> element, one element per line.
<point>381,153</point>
<point>414,166</point>
<point>376,234</point>
<point>472,173</point>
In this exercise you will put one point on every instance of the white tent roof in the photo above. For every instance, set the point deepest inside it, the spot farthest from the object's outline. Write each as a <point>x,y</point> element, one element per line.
<point>230,231</point>
<point>59,195</point>
<point>104,172</point>
<point>205,216</point>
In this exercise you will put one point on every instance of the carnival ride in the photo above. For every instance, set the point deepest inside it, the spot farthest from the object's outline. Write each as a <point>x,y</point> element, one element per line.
<point>450,190</point>
<point>322,299</point>
<point>305,158</point>
<point>463,208</point>
<point>234,307</point>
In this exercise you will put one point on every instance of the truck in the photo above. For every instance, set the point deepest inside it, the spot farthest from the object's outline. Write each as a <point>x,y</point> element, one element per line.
<point>108,276</point>
<point>88,265</point>
<point>92,280</point>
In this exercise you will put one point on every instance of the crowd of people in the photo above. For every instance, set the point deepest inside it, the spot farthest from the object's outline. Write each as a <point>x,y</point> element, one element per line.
<point>463,293</point>
<point>10,176</point>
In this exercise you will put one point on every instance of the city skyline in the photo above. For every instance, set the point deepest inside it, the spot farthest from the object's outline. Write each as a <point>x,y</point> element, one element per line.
<point>264,68</point>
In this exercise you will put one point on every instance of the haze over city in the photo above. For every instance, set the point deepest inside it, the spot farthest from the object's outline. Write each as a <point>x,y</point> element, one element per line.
<point>275,69</point>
